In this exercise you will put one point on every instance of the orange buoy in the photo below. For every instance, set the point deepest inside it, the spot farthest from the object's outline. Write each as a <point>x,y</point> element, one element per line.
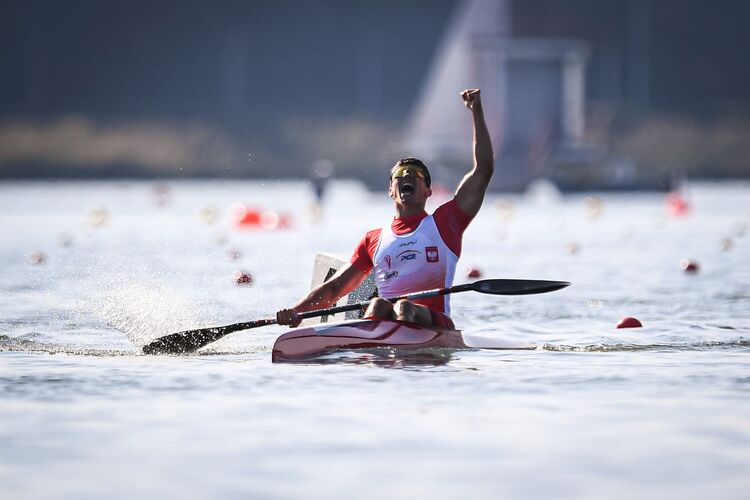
<point>629,322</point>
<point>473,272</point>
<point>689,266</point>
<point>243,278</point>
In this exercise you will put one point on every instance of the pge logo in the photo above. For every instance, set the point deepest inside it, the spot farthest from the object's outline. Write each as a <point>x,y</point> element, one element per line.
<point>407,256</point>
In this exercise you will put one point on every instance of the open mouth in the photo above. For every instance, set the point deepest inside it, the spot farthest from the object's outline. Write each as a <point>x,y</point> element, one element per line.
<point>407,189</point>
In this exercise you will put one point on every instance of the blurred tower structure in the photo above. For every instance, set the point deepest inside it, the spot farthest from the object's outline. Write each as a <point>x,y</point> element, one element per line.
<point>533,92</point>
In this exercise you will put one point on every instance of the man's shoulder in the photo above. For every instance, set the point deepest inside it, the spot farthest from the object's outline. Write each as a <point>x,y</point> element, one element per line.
<point>451,222</point>
<point>371,238</point>
<point>373,233</point>
<point>451,209</point>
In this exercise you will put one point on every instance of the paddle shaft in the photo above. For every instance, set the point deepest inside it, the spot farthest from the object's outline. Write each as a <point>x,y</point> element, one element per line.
<point>236,327</point>
<point>192,340</point>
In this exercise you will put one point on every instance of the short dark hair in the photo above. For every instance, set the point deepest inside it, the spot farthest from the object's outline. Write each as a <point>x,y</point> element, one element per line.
<point>414,162</point>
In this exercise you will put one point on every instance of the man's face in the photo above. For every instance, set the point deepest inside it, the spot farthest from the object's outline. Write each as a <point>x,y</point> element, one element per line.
<point>409,186</point>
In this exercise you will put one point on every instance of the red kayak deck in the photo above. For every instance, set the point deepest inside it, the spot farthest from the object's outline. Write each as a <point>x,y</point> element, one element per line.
<point>308,342</point>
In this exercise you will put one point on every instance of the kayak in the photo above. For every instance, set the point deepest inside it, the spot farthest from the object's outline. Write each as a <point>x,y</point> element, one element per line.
<point>317,340</point>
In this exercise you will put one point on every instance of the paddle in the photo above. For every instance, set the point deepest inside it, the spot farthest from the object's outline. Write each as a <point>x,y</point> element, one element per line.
<point>192,340</point>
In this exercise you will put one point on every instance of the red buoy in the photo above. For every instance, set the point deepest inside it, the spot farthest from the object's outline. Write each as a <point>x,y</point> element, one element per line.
<point>689,266</point>
<point>629,322</point>
<point>473,272</point>
<point>243,278</point>
<point>676,204</point>
<point>244,216</point>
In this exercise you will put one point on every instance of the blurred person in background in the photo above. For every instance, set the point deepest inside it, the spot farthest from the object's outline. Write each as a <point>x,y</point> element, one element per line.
<point>320,173</point>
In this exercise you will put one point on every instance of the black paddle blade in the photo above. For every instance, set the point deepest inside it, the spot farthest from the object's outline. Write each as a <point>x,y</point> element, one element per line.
<point>517,287</point>
<point>184,342</point>
<point>192,340</point>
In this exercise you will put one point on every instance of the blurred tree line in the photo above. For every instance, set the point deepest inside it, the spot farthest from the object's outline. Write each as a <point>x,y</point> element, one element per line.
<point>234,88</point>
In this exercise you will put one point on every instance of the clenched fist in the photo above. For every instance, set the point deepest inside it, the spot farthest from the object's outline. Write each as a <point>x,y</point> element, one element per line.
<point>472,99</point>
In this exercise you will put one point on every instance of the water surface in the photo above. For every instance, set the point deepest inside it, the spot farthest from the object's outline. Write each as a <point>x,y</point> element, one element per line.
<point>655,412</point>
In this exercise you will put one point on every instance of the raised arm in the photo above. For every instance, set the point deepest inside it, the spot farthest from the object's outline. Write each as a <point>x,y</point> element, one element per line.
<point>471,189</point>
<point>326,295</point>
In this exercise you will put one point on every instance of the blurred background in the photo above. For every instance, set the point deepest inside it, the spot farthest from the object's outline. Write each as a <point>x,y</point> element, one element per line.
<point>589,94</point>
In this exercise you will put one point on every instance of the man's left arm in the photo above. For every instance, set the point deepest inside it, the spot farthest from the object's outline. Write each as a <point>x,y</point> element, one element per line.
<point>472,188</point>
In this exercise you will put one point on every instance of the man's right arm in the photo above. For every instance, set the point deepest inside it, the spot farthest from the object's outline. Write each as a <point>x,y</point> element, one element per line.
<point>327,294</point>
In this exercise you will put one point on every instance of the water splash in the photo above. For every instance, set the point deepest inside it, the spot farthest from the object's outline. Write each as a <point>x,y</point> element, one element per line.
<point>146,309</point>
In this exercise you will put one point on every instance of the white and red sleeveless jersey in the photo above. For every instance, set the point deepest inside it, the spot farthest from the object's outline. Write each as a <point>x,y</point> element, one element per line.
<point>416,253</point>
<point>414,261</point>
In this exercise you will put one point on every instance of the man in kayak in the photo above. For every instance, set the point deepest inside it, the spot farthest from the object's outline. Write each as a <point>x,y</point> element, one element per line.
<point>416,251</point>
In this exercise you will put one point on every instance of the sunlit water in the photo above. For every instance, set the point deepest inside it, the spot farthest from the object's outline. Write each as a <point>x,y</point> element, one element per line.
<point>595,412</point>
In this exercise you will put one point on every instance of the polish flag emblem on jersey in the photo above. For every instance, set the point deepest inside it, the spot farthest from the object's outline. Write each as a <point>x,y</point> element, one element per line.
<point>432,254</point>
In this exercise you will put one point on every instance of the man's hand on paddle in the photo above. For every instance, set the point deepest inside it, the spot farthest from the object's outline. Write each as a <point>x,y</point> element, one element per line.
<point>288,317</point>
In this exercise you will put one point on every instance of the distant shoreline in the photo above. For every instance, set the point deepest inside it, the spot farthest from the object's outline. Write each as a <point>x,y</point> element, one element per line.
<point>372,185</point>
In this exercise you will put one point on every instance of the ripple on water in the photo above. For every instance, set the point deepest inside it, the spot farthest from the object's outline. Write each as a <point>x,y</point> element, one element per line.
<point>29,343</point>
<point>740,343</point>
